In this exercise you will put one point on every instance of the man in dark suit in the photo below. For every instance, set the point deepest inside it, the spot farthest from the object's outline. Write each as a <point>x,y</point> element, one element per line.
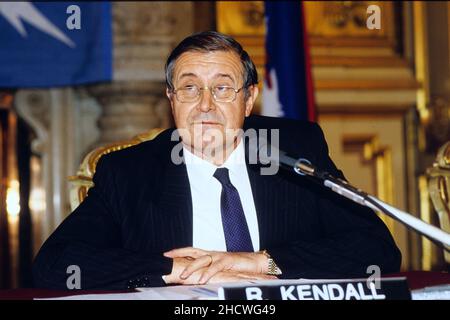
<point>152,219</point>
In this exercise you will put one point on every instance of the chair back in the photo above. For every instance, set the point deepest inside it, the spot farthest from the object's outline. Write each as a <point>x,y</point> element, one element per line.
<point>82,181</point>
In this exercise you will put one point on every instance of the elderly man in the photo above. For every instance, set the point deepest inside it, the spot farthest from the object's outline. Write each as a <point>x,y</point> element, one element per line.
<point>152,220</point>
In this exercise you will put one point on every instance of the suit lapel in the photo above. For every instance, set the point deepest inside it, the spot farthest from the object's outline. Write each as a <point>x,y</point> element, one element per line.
<point>176,200</point>
<point>264,190</point>
<point>258,191</point>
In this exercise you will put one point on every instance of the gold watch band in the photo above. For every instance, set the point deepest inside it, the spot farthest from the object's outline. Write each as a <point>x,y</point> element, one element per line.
<point>272,268</point>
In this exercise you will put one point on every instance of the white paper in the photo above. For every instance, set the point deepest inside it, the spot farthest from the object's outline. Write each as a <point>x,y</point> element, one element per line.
<point>439,292</point>
<point>106,296</point>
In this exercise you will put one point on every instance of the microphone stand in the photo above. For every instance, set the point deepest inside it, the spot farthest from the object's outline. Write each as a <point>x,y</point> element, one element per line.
<point>303,167</point>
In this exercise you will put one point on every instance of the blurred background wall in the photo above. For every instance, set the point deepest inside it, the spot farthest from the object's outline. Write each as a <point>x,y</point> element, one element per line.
<point>382,99</point>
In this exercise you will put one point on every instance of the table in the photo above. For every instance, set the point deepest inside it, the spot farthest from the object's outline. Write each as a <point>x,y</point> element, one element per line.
<point>416,280</point>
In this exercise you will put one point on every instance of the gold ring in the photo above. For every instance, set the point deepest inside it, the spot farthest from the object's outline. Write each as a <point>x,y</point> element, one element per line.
<point>210,262</point>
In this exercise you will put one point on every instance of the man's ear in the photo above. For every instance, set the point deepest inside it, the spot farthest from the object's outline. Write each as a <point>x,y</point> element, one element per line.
<point>253,94</point>
<point>169,94</point>
<point>170,97</point>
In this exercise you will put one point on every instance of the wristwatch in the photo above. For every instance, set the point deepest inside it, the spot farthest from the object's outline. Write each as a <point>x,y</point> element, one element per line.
<point>272,268</point>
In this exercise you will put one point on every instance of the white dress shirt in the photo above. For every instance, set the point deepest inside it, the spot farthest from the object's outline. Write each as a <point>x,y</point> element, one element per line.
<point>206,191</point>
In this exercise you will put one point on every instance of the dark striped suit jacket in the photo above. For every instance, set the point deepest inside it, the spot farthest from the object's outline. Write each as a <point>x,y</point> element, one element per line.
<point>141,206</point>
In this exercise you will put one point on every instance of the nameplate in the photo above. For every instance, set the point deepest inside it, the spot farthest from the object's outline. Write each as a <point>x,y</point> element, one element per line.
<point>348,289</point>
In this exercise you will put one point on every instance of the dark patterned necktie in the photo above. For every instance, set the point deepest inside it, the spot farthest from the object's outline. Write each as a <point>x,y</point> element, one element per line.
<point>235,228</point>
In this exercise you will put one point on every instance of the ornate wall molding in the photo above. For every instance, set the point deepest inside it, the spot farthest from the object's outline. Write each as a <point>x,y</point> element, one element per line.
<point>371,152</point>
<point>130,108</point>
<point>144,34</point>
<point>64,126</point>
<point>379,157</point>
<point>33,106</point>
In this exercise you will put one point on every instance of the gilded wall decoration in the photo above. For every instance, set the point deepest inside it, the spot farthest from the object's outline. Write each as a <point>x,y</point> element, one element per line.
<point>347,19</point>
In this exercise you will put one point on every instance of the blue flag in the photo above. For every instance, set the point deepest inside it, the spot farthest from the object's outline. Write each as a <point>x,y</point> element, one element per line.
<point>47,44</point>
<point>288,90</point>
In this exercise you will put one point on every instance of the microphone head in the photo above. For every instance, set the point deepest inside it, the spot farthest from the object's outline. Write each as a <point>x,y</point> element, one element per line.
<point>304,167</point>
<point>263,152</point>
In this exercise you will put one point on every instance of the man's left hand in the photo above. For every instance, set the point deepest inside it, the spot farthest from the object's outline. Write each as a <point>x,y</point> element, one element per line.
<point>216,261</point>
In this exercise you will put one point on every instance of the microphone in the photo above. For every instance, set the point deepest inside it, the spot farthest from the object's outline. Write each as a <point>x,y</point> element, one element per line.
<point>304,167</point>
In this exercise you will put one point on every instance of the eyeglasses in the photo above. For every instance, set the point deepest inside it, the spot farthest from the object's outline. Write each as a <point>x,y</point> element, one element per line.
<point>192,93</point>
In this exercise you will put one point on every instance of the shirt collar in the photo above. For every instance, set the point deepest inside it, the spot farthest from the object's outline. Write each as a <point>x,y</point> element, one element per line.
<point>203,168</point>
